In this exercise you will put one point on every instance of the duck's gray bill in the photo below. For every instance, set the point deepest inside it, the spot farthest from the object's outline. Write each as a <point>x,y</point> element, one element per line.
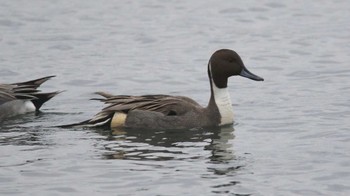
<point>246,73</point>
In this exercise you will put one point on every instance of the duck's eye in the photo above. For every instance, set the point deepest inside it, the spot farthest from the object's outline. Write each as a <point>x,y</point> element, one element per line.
<point>230,60</point>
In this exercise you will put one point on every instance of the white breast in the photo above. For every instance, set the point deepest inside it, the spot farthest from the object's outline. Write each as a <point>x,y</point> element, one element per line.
<point>223,101</point>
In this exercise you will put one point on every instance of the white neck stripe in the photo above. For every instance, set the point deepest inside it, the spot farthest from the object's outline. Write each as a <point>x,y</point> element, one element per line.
<point>223,101</point>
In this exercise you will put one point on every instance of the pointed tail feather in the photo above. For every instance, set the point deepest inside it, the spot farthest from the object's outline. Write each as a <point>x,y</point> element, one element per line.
<point>104,94</point>
<point>36,82</point>
<point>41,98</point>
<point>79,124</point>
<point>90,123</point>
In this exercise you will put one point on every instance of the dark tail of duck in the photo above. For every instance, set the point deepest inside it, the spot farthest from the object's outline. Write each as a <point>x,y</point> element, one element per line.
<point>28,90</point>
<point>101,122</point>
<point>41,98</point>
<point>84,123</point>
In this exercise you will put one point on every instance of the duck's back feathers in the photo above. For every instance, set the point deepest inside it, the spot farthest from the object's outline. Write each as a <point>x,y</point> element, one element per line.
<point>164,105</point>
<point>21,90</point>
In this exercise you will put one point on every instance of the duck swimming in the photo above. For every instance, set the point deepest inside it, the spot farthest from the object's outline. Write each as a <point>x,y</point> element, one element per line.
<point>22,97</point>
<point>163,112</point>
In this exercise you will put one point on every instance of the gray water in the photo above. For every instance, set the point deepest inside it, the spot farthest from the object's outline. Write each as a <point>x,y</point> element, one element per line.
<point>291,134</point>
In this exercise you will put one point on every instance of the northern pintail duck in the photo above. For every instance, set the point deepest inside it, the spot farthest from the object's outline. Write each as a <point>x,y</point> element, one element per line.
<point>175,112</point>
<point>22,97</point>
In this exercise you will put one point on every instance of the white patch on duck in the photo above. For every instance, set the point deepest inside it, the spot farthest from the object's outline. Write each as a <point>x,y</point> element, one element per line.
<point>223,101</point>
<point>16,107</point>
<point>27,106</point>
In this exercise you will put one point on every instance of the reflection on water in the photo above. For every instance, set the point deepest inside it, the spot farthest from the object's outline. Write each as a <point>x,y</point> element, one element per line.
<point>13,133</point>
<point>169,144</point>
<point>213,146</point>
<point>208,153</point>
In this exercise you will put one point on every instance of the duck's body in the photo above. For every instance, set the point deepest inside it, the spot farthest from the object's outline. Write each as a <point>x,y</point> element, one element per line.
<point>175,112</point>
<point>154,112</point>
<point>23,97</point>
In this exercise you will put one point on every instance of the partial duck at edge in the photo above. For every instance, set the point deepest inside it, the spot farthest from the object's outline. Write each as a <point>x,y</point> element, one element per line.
<point>23,97</point>
<point>162,112</point>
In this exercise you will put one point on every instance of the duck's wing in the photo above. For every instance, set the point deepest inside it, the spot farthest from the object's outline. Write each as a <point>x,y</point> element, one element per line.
<point>10,92</point>
<point>164,104</point>
<point>5,96</point>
